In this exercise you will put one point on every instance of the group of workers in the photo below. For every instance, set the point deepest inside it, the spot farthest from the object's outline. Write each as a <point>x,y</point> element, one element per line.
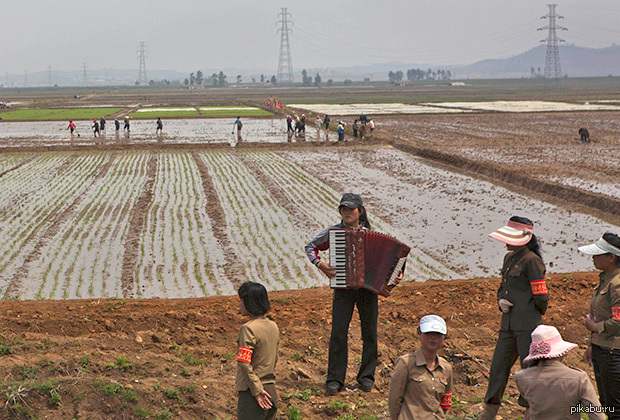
<point>98,127</point>
<point>422,382</point>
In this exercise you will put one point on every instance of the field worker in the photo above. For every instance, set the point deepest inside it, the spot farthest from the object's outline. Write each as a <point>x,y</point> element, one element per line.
<point>117,125</point>
<point>363,119</point>
<point>289,124</point>
<point>95,128</point>
<point>71,127</point>
<point>421,383</point>
<point>583,133</point>
<point>552,389</point>
<point>160,127</point>
<point>317,123</point>
<point>354,216</point>
<point>522,299</point>
<point>126,126</point>
<point>326,121</point>
<point>238,124</point>
<point>371,126</point>
<point>102,125</point>
<point>340,131</point>
<point>356,127</point>
<point>603,321</point>
<point>257,356</point>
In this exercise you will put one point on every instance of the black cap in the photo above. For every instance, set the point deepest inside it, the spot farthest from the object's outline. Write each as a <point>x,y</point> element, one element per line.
<point>351,200</point>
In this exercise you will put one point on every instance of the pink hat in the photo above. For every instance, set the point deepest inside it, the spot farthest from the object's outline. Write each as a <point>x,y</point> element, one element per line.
<point>547,343</point>
<point>514,233</point>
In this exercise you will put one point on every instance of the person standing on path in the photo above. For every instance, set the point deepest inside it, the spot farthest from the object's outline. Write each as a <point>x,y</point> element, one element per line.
<point>522,298</point>
<point>238,124</point>
<point>126,126</point>
<point>102,125</point>
<point>257,356</point>
<point>71,127</point>
<point>326,121</point>
<point>289,124</point>
<point>421,383</point>
<point>603,321</point>
<point>552,389</point>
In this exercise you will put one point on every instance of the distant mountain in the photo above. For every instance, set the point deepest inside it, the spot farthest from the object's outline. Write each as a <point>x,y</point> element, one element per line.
<point>574,62</point>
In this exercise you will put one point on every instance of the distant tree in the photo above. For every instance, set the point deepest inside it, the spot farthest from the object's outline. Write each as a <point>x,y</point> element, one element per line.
<point>199,77</point>
<point>151,82</point>
<point>273,80</point>
<point>186,82</point>
<point>305,79</point>
<point>399,75</point>
<point>262,78</point>
<point>253,80</point>
<point>330,82</point>
<point>192,78</point>
<point>238,78</point>
<point>391,76</point>
<point>221,79</point>
<point>532,72</point>
<point>317,80</point>
<point>137,83</point>
<point>214,79</point>
<point>449,74</point>
<point>348,82</point>
<point>395,76</point>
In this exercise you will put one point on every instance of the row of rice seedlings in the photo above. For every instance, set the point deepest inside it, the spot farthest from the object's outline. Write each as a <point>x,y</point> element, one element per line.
<point>11,160</point>
<point>318,199</point>
<point>179,255</point>
<point>267,240</point>
<point>35,211</point>
<point>84,259</point>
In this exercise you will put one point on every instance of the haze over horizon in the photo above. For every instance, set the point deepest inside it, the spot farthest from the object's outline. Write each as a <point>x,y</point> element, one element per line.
<point>187,35</point>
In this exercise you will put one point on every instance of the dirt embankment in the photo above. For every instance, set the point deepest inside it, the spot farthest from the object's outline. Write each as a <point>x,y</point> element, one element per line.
<point>122,359</point>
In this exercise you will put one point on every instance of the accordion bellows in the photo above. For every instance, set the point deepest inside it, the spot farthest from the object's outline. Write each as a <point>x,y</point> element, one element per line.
<point>365,259</point>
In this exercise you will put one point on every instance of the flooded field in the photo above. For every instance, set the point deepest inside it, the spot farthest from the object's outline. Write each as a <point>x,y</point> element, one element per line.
<point>196,223</point>
<point>212,130</point>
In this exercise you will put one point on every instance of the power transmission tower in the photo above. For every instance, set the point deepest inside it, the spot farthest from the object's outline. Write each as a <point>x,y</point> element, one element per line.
<point>49,75</point>
<point>285,64</point>
<point>84,75</point>
<point>25,78</point>
<point>142,80</point>
<point>553,69</point>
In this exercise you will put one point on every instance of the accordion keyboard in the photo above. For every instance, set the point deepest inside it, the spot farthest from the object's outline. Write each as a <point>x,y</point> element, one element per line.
<point>337,259</point>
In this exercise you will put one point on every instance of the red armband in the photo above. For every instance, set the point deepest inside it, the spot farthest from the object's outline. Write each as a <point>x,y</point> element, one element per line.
<point>615,313</point>
<point>244,355</point>
<point>539,287</point>
<point>446,400</point>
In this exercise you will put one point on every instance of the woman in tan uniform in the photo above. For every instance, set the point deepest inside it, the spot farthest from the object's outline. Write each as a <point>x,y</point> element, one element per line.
<point>603,321</point>
<point>421,384</point>
<point>257,357</point>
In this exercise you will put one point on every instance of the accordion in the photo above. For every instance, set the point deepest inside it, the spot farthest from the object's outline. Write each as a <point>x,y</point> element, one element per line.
<point>367,259</point>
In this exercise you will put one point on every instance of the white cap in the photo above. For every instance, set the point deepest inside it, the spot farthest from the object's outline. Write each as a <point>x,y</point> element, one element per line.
<point>433,323</point>
<point>600,247</point>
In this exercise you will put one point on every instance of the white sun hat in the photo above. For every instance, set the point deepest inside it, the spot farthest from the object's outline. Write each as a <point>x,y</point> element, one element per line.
<point>547,343</point>
<point>600,247</point>
<point>433,323</point>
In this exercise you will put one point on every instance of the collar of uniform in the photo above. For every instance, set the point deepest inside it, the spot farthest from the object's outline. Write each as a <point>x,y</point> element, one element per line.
<point>606,276</point>
<point>420,360</point>
<point>520,253</point>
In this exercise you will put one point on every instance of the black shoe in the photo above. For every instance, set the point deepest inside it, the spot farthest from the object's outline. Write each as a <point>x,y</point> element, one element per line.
<point>333,388</point>
<point>366,385</point>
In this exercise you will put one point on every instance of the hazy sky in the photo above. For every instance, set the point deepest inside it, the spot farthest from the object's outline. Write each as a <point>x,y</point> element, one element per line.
<point>186,35</point>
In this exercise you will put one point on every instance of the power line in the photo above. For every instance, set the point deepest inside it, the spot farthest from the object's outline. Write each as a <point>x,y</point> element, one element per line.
<point>285,63</point>
<point>552,60</point>
<point>142,80</point>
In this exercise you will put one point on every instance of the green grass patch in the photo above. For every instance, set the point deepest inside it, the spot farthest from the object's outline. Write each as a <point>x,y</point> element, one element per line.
<point>59,114</point>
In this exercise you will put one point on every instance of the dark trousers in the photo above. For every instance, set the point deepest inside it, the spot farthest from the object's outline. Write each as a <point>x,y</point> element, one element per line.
<point>510,345</point>
<point>340,136</point>
<point>248,408</point>
<point>343,304</point>
<point>606,364</point>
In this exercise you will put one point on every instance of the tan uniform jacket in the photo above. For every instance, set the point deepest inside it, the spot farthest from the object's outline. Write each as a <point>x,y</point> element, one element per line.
<point>523,284</point>
<point>552,388</point>
<point>605,307</point>
<point>258,354</point>
<point>417,393</point>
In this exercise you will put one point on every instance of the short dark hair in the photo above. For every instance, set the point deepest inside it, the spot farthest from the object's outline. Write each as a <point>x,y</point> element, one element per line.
<point>613,239</point>
<point>255,299</point>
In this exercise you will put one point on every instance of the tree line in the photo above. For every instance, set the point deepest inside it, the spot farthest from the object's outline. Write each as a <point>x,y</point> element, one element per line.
<point>419,74</point>
<point>218,79</point>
